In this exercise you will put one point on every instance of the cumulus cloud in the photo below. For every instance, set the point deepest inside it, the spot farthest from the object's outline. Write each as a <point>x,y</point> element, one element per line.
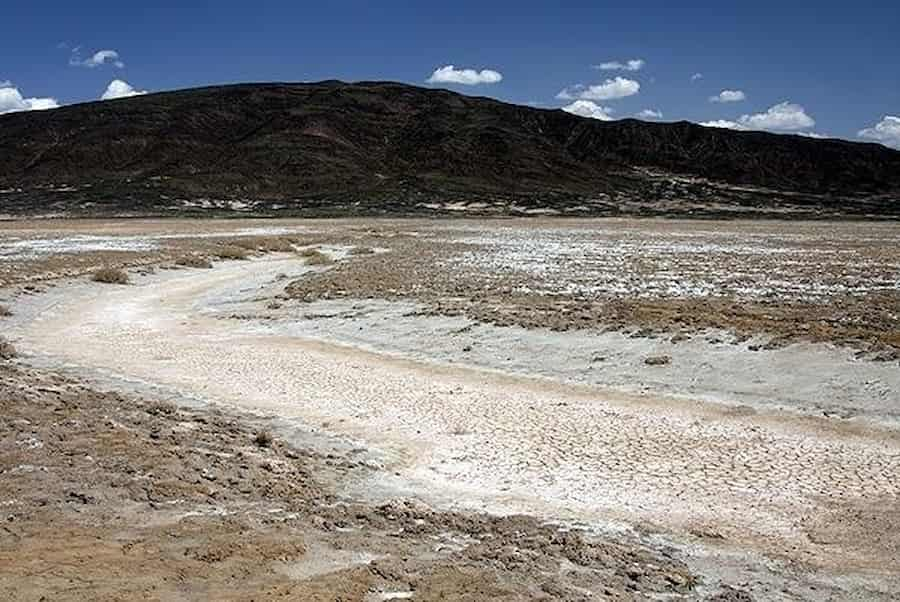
<point>649,114</point>
<point>632,65</point>
<point>724,124</point>
<point>101,57</point>
<point>783,117</point>
<point>118,88</point>
<point>620,87</point>
<point>11,101</point>
<point>696,77</point>
<point>41,104</point>
<point>468,77</point>
<point>729,96</point>
<point>587,108</point>
<point>886,131</point>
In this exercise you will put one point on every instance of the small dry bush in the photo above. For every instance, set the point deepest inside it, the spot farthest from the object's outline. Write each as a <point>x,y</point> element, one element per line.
<point>5,312</point>
<point>194,261</point>
<point>7,351</point>
<point>232,252</point>
<point>110,276</point>
<point>315,257</point>
<point>658,360</point>
<point>277,244</point>
<point>263,439</point>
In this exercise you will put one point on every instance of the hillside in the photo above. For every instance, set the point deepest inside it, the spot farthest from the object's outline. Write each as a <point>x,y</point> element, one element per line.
<point>383,148</point>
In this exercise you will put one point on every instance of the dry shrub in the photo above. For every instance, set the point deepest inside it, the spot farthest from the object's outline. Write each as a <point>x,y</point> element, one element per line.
<point>232,252</point>
<point>110,276</point>
<point>5,312</point>
<point>658,360</point>
<point>277,244</point>
<point>263,439</point>
<point>314,256</point>
<point>7,351</point>
<point>194,261</point>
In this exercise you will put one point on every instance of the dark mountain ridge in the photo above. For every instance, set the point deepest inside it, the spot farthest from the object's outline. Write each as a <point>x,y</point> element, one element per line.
<point>333,148</point>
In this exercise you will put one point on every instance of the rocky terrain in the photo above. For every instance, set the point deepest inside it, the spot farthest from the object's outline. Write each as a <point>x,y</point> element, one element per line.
<point>375,148</point>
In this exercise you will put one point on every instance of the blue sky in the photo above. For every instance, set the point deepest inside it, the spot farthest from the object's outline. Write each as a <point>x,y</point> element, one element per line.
<point>829,68</point>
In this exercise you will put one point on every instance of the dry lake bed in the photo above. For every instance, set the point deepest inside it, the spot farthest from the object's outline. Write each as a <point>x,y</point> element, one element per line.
<point>450,409</point>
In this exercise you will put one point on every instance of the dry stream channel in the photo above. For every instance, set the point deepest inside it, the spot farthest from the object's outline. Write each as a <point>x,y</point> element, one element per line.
<point>740,458</point>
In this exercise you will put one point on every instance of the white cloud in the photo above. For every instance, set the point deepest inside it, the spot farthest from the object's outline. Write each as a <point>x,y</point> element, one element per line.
<point>632,65</point>
<point>118,88</point>
<point>723,123</point>
<point>729,96</point>
<point>696,77</point>
<point>469,77</point>
<point>101,57</point>
<point>11,101</point>
<point>619,87</point>
<point>815,135</point>
<point>587,108</point>
<point>41,104</point>
<point>886,131</point>
<point>650,114</point>
<point>785,116</point>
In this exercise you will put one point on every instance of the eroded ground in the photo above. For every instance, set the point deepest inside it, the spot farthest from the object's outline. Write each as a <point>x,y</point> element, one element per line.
<point>664,450</point>
<point>112,497</point>
<point>831,282</point>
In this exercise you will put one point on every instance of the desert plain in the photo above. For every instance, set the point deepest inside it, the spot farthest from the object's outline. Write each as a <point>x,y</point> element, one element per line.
<point>449,409</point>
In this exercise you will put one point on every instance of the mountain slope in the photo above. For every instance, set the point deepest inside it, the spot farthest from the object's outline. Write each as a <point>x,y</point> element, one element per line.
<point>334,148</point>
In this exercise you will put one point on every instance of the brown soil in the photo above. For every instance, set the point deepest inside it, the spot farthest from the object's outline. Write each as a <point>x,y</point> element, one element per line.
<point>110,497</point>
<point>172,252</point>
<point>435,273</point>
<point>427,261</point>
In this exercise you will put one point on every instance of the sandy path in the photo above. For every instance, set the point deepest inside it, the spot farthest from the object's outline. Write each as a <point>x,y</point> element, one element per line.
<point>770,480</point>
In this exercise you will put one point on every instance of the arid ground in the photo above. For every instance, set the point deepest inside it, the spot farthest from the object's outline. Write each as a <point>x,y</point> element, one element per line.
<point>449,410</point>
